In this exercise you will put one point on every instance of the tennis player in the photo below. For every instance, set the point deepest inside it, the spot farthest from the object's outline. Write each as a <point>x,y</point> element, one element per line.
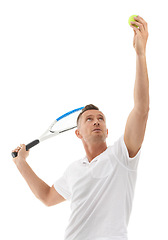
<point>101,185</point>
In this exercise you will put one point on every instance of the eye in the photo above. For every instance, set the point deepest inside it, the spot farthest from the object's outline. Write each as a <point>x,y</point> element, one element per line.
<point>101,118</point>
<point>89,119</point>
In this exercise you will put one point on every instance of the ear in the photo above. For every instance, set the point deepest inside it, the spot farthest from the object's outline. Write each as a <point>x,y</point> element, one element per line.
<point>78,133</point>
<point>107,132</point>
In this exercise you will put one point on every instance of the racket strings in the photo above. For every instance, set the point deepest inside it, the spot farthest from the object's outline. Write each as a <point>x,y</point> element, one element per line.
<point>67,123</point>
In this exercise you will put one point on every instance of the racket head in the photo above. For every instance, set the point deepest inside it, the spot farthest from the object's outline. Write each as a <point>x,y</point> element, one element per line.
<point>69,118</point>
<point>65,122</point>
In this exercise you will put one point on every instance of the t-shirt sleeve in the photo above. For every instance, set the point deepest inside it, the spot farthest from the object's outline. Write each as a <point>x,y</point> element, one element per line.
<point>122,154</point>
<point>62,185</point>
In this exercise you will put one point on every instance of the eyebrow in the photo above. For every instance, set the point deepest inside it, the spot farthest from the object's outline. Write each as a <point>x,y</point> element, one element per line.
<point>94,115</point>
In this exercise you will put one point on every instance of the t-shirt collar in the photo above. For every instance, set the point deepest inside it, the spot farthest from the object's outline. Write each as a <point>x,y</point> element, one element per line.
<point>86,161</point>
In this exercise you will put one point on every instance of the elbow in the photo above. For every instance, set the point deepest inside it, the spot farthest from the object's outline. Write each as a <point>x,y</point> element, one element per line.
<point>142,110</point>
<point>44,201</point>
<point>46,204</point>
<point>146,110</point>
<point>142,113</point>
<point>142,105</point>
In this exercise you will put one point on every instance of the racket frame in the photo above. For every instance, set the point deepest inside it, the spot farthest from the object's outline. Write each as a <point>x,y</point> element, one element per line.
<point>49,132</point>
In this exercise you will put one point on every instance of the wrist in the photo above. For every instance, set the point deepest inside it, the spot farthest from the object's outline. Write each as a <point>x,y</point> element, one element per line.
<point>19,160</point>
<point>141,55</point>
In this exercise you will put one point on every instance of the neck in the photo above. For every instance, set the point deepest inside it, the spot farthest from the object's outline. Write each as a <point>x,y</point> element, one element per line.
<point>94,149</point>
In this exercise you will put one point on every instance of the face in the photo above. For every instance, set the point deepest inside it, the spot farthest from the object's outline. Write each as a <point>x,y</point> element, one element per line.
<point>92,126</point>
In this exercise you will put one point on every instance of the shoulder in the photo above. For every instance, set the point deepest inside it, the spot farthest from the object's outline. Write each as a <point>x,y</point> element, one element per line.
<point>120,151</point>
<point>74,164</point>
<point>117,145</point>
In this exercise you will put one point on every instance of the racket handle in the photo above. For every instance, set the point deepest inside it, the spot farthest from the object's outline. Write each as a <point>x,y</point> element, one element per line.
<point>28,146</point>
<point>32,144</point>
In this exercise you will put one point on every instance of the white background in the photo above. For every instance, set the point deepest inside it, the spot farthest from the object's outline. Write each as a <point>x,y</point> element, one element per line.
<point>60,55</point>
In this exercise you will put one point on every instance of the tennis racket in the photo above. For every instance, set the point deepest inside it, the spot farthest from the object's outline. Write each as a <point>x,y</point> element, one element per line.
<point>50,132</point>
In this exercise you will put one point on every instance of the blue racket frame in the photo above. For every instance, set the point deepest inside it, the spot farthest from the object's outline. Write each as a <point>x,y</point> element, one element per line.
<point>68,113</point>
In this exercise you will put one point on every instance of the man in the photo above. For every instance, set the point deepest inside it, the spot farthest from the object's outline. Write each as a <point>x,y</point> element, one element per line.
<point>101,185</point>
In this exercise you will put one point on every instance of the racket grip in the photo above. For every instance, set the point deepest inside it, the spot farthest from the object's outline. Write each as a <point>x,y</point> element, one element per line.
<point>32,144</point>
<point>28,146</point>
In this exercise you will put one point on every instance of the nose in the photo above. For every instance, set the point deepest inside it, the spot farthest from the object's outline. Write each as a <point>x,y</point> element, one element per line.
<point>96,123</point>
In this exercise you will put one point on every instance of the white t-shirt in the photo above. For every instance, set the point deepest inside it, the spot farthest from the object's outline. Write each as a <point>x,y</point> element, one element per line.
<point>101,194</point>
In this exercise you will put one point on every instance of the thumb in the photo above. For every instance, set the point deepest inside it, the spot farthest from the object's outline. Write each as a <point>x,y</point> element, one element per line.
<point>23,146</point>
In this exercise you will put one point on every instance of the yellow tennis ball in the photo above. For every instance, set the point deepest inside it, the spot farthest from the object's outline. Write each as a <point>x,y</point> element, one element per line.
<point>131,19</point>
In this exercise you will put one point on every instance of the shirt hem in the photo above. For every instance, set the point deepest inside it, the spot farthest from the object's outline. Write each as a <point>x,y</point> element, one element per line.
<point>62,192</point>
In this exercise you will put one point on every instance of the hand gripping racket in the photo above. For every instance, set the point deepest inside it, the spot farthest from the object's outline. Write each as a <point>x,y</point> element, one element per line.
<point>50,132</point>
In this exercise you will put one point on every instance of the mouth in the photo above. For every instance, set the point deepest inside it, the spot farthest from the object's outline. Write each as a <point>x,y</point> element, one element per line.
<point>96,130</point>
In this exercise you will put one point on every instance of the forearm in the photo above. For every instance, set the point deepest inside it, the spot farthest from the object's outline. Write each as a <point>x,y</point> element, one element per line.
<point>141,87</point>
<point>38,187</point>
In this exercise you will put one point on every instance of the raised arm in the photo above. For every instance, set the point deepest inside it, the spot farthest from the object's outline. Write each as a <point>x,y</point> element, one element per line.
<point>137,119</point>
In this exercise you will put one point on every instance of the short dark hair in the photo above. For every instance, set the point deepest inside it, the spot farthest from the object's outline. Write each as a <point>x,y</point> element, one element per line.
<point>86,108</point>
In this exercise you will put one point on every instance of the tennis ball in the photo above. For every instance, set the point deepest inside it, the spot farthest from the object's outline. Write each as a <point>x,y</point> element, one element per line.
<point>131,19</point>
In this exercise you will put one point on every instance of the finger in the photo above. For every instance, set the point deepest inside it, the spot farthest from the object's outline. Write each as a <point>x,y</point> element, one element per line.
<point>142,21</point>
<point>136,30</point>
<point>16,149</point>
<point>139,25</point>
<point>23,146</point>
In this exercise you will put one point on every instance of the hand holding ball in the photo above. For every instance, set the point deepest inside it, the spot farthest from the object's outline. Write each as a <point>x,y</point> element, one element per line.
<point>131,19</point>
